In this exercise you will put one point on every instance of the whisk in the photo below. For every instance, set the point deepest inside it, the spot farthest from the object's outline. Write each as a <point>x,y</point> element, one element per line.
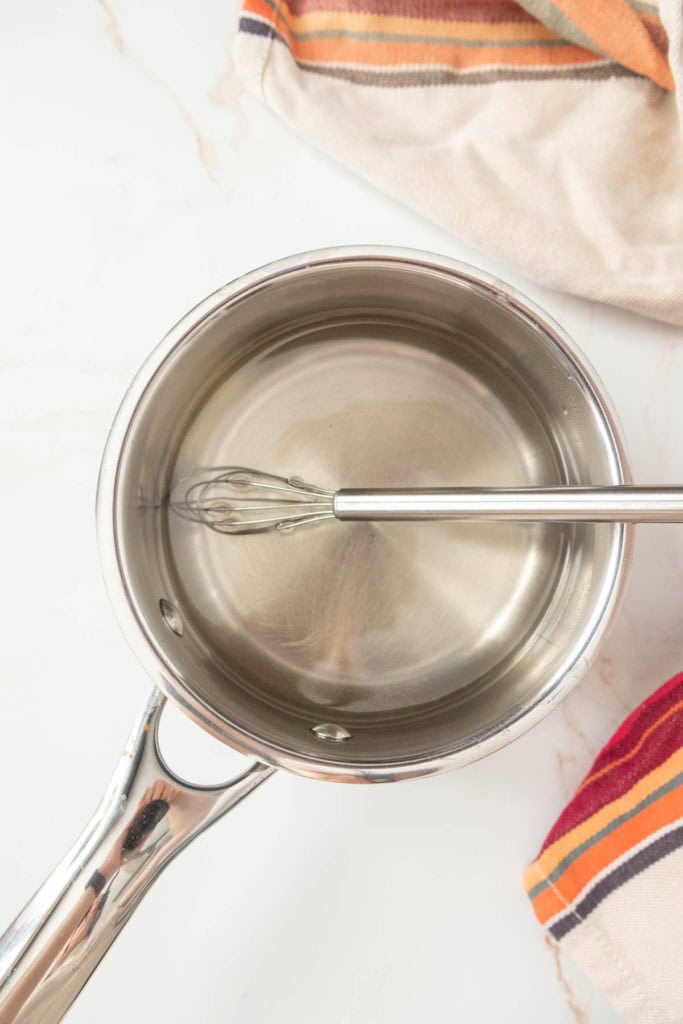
<point>233,499</point>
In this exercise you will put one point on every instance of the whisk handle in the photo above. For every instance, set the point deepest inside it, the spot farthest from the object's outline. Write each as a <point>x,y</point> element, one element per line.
<point>622,504</point>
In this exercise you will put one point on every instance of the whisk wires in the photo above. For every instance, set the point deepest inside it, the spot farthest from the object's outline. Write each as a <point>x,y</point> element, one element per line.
<point>233,499</point>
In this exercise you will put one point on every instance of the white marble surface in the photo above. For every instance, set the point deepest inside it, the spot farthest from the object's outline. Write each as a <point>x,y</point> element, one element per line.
<point>136,178</point>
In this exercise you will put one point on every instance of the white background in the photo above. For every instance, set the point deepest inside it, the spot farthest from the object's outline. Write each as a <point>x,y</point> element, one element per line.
<point>136,178</point>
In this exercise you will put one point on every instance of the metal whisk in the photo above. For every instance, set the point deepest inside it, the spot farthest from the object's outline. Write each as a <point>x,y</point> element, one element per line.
<point>232,499</point>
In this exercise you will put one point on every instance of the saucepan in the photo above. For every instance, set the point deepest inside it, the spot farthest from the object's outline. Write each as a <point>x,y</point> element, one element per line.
<point>371,652</point>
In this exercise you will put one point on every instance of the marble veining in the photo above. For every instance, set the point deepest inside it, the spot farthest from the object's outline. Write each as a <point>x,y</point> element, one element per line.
<point>137,177</point>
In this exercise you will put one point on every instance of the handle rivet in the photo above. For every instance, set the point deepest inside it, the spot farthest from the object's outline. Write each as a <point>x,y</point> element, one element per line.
<point>330,732</point>
<point>171,617</point>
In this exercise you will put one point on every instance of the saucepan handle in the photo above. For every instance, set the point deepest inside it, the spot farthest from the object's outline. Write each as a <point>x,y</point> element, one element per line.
<point>146,816</point>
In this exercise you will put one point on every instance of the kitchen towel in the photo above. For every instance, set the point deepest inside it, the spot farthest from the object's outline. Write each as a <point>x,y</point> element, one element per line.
<point>548,132</point>
<point>608,882</point>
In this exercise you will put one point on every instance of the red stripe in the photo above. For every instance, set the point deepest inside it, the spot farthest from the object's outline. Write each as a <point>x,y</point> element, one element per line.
<point>665,740</point>
<point>632,728</point>
<point>437,10</point>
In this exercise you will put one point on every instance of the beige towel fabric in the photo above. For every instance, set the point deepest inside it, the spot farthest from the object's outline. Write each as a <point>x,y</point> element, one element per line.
<point>546,132</point>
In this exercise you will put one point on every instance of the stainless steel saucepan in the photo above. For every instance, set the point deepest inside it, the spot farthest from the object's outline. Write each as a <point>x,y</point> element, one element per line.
<point>372,652</point>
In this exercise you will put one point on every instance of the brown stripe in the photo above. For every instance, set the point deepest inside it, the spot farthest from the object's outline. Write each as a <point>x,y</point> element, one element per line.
<point>623,873</point>
<point>439,10</point>
<point>657,34</point>
<point>448,76</point>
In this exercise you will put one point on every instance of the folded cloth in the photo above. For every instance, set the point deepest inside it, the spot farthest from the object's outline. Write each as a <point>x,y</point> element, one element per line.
<point>545,131</point>
<point>608,882</point>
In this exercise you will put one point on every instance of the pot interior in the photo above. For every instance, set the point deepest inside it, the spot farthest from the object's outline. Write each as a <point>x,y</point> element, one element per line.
<point>418,640</point>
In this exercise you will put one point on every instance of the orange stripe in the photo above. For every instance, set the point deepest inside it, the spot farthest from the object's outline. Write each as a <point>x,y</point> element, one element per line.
<point>358,21</point>
<point>547,862</point>
<point>577,876</point>
<point>627,757</point>
<point>382,54</point>
<point>618,30</point>
<point>548,903</point>
<point>391,54</point>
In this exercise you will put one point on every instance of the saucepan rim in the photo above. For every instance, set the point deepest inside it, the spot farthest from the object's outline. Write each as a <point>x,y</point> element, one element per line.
<point>161,669</point>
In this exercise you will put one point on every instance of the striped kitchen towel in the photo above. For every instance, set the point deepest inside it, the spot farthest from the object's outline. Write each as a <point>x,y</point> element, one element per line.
<point>545,131</point>
<point>608,882</point>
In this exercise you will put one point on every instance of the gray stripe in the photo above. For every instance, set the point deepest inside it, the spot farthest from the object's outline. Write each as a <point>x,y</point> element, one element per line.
<point>623,873</point>
<point>643,8</point>
<point>597,836</point>
<point>398,37</point>
<point>547,12</point>
<point>448,76</point>
<point>274,7</point>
